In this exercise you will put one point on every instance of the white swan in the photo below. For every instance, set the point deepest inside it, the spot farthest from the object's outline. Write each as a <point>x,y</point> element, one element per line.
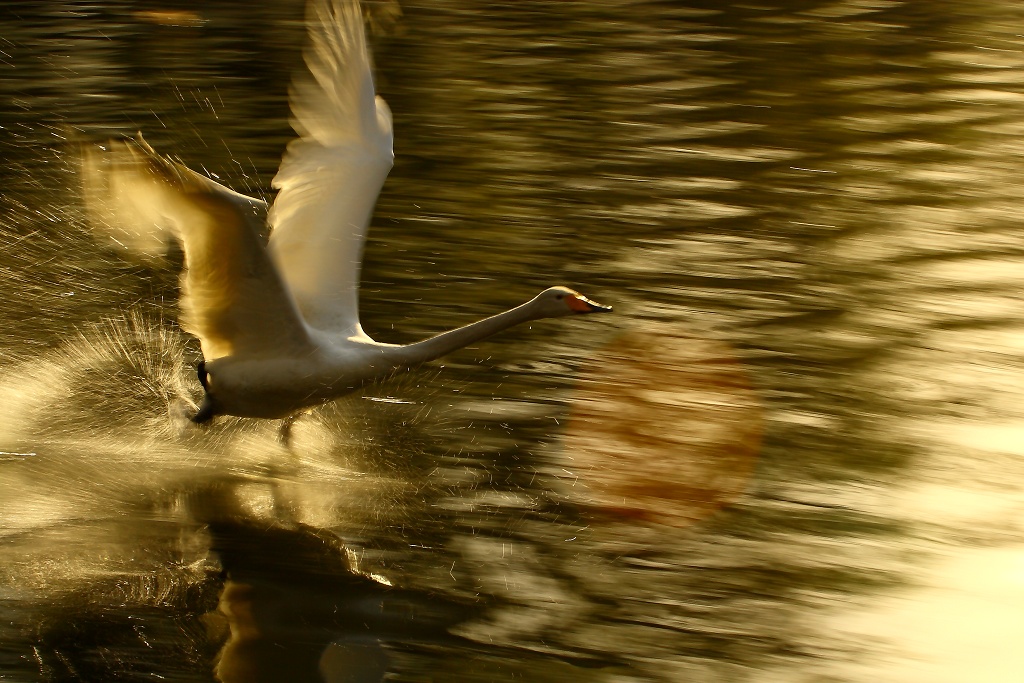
<point>278,319</point>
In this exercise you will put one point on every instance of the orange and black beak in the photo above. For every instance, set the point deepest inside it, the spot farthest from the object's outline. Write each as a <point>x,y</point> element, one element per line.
<point>581,304</point>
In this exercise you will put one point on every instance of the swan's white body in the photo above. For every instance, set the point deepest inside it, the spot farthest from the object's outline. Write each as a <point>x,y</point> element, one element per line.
<point>278,320</point>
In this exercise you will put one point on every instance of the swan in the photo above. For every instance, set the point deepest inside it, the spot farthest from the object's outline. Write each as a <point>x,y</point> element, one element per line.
<point>272,292</point>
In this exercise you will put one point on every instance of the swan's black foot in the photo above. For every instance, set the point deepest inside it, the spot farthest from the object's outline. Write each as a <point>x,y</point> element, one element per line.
<point>206,411</point>
<point>284,434</point>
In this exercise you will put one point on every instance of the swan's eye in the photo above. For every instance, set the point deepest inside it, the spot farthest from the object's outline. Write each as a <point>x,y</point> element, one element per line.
<point>559,296</point>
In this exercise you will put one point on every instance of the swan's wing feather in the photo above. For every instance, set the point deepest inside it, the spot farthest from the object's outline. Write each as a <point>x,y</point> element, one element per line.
<point>330,177</point>
<point>232,297</point>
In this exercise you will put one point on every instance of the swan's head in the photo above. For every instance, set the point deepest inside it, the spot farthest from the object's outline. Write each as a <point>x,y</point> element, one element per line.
<point>558,301</point>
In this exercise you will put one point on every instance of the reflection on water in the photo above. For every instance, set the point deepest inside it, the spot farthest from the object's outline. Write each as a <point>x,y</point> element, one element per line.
<point>828,188</point>
<point>664,428</point>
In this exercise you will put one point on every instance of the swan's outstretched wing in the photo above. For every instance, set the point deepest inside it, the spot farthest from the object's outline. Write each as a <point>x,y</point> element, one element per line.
<point>330,177</point>
<point>232,297</point>
<point>136,223</point>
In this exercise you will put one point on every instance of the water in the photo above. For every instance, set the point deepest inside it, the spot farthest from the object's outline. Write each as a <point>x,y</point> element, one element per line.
<point>820,195</point>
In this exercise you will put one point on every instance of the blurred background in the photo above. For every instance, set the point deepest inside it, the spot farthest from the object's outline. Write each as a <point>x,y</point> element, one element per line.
<point>792,453</point>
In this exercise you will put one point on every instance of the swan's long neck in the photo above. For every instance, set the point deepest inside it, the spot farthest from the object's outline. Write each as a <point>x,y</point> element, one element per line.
<point>446,342</point>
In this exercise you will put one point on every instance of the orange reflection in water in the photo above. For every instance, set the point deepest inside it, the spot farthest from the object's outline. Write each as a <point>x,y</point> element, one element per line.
<point>665,428</point>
